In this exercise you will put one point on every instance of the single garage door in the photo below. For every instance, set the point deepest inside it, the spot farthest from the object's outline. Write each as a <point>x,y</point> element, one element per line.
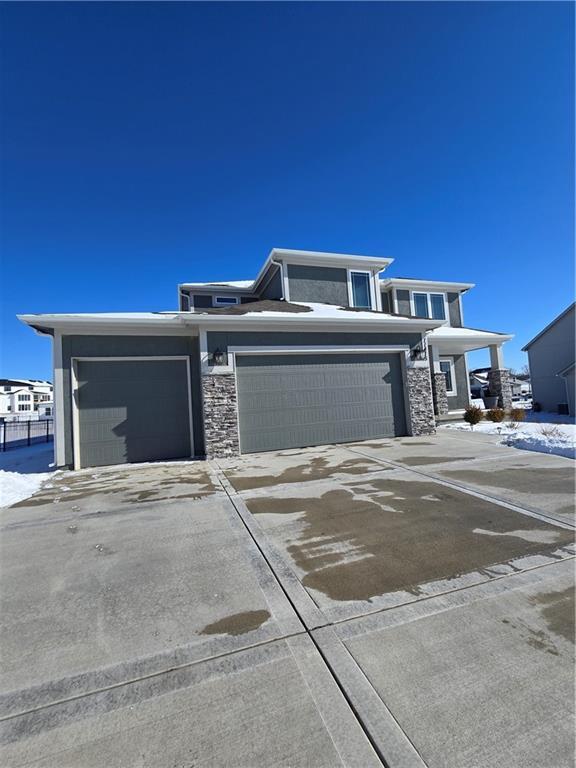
<point>290,401</point>
<point>132,410</point>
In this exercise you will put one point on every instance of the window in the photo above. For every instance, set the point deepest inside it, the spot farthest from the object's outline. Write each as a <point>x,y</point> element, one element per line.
<point>222,301</point>
<point>7,389</point>
<point>9,408</point>
<point>429,305</point>
<point>24,407</point>
<point>48,412</point>
<point>23,397</point>
<point>447,368</point>
<point>360,290</point>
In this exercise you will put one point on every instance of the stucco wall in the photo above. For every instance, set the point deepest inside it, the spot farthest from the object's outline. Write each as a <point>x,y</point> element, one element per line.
<point>461,399</point>
<point>326,285</point>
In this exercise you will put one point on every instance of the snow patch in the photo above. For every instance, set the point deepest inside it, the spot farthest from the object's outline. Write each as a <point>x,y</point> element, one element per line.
<point>23,471</point>
<point>542,432</point>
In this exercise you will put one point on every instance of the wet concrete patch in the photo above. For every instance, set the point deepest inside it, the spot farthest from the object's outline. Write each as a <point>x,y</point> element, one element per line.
<point>396,534</point>
<point>237,624</point>
<point>415,461</point>
<point>548,480</point>
<point>316,469</point>
<point>558,611</point>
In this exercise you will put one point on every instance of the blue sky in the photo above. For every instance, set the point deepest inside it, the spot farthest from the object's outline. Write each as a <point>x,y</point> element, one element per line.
<point>150,144</point>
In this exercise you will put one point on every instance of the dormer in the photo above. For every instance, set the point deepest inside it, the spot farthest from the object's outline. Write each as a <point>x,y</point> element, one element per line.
<point>343,280</point>
<point>424,298</point>
<point>204,295</point>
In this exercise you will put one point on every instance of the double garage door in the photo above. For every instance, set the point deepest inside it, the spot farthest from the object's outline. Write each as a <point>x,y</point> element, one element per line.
<point>131,410</point>
<point>292,401</point>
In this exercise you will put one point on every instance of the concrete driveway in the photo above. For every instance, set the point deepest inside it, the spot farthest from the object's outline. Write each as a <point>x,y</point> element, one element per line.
<point>403,602</point>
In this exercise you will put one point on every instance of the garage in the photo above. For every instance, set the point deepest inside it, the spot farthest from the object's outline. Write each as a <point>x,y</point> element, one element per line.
<point>130,410</point>
<point>297,400</point>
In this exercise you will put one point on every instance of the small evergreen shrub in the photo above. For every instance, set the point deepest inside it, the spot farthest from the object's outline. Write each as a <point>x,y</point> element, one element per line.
<point>496,415</point>
<point>473,415</point>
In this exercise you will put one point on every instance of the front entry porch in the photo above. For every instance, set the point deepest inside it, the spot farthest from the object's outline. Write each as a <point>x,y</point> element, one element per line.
<point>448,347</point>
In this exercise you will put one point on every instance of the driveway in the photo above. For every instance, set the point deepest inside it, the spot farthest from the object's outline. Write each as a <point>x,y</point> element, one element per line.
<point>404,602</point>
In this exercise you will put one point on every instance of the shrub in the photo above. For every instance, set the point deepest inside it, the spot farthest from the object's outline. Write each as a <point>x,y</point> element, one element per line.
<point>517,414</point>
<point>496,414</point>
<point>550,430</point>
<point>473,415</point>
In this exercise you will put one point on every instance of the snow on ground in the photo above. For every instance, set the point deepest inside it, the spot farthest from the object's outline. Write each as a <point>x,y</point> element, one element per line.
<point>23,471</point>
<point>541,432</point>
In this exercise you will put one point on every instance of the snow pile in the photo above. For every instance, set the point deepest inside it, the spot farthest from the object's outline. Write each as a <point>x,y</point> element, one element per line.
<point>542,432</point>
<point>23,471</point>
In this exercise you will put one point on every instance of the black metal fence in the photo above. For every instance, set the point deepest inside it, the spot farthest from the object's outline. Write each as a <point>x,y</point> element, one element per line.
<point>15,434</point>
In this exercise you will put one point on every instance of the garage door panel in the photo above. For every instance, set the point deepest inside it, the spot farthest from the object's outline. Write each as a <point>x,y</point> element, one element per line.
<point>297,400</point>
<point>132,410</point>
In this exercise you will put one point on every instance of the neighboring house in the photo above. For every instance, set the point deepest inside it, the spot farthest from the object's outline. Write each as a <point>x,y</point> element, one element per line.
<point>21,399</point>
<point>46,410</point>
<point>317,349</point>
<point>551,360</point>
<point>479,383</point>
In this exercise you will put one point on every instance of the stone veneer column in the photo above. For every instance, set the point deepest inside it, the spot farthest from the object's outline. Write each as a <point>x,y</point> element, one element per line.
<point>420,404</point>
<point>220,415</point>
<point>499,384</point>
<point>439,395</point>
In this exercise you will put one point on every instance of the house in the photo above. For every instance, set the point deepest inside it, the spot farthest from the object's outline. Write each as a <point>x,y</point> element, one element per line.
<point>551,359</point>
<point>21,399</point>
<point>319,348</point>
<point>479,383</point>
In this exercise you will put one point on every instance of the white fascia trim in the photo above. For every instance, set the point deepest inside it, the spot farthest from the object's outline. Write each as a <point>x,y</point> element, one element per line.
<point>235,323</point>
<point>74,384</point>
<point>316,349</point>
<point>404,282</point>
<point>321,258</point>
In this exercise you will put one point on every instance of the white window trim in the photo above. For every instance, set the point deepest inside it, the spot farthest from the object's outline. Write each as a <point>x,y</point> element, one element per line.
<point>371,282</point>
<point>74,384</point>
<point>228,301</point>
<point>428,294</point>
<point>454,391</point>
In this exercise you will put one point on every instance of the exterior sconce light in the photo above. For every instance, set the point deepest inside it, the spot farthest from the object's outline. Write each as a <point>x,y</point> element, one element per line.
<point>217,357</point>
<point>418,352</point>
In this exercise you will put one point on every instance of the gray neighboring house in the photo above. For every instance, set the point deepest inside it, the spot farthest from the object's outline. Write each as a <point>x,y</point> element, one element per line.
<point>551,359</point>
<point>318,348</point>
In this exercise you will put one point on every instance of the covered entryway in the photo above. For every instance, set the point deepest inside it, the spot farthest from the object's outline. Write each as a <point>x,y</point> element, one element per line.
<point>297,400</point>
<point>130,410</point>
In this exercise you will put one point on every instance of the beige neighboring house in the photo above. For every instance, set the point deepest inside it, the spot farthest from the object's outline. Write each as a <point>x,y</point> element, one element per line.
<point>551,358</point>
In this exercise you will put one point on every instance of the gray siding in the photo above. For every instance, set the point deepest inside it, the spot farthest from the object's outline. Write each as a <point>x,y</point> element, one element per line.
<point>551,353</point>
<point>202,301</point>
<point>272,284</point>
<point>454,309</point>
<point>223,339</point>
<point>131,346</point>
<point>461,399</point>
<point>403,299</point>
<point>292,401</point>
<point>325,285</point>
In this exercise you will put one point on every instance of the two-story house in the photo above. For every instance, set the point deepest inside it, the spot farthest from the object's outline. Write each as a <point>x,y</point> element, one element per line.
<point>319,348</point>
<point>23,399</point>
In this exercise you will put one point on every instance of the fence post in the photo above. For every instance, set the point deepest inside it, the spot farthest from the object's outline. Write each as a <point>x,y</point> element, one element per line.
<point>47,430</point>
<point>3,436</point>
<point>29,422</point>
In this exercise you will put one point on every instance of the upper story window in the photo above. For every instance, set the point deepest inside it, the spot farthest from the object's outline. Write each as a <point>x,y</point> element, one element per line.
<point>360,290</point>
<point>7,389</point>
<point>23,397</point>
<point>430,305</point>
<point>224,301</point>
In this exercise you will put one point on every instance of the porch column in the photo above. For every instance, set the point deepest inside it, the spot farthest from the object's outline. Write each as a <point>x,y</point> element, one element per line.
<point>499,377</point>
<point>439,396</point>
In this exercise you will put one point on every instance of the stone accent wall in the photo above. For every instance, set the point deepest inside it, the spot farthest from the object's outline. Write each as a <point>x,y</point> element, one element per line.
<point>220,417</point>
<point>439,395</point>
<point>420,404</point>
<point>499,384</point>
